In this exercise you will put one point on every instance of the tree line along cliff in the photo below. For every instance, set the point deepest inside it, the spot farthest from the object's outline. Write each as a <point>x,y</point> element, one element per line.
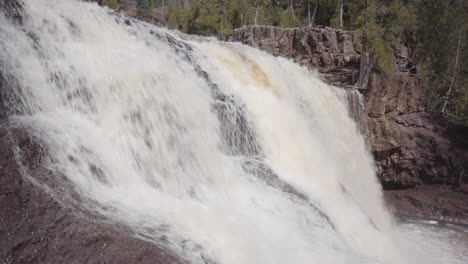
<point>436,30</point>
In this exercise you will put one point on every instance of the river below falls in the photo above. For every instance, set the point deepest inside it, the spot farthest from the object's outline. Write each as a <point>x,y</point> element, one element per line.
<point>436,240</point>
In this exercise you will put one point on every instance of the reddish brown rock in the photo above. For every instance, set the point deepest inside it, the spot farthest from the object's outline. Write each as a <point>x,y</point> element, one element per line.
<point>431,202</point>
<point>410,147</point>
<point>35,228</point>
<point>334,53</point>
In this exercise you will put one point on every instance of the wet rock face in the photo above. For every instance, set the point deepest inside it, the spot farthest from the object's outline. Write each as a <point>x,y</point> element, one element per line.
<point>35,228</point>
<point>435,202</point>
<point>13,8</point>
<point>409,147</point>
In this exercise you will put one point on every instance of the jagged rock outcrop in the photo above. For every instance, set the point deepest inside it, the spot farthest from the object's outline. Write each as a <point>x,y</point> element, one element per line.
<point>335,54</point>
<point>409,147</point>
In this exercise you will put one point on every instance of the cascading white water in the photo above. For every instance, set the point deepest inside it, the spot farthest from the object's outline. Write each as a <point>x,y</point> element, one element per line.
<point>213,150</point>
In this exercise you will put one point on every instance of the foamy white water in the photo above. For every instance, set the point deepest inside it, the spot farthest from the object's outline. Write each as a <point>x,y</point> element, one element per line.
<point>216,151</point>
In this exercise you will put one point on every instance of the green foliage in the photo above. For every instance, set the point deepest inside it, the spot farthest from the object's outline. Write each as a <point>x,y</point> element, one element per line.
<point>430,28</point>
<point>459,105</point>
<point>372,33</point>
<point>375,45</point>
<point>144,10</point>
<point>265,11</point>
<point>442,32</point>
<point>239,13</point>
<point>288,19</point>
<point>204,17</point>
<point>397,19</point>
<point>179,18</point>
<point>208,16</point>
<point>334,22</point>
<point>111,4</point>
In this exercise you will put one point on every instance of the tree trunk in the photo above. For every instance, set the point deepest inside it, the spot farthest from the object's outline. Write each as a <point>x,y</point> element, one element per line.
<point>256,16</point>
<point>292,9</point>
<point>449,91</point>
<point>309,23</point>
<point>460,179</point>
<point>341,13</point>
<point>223,18</point>
<point>313,15</point>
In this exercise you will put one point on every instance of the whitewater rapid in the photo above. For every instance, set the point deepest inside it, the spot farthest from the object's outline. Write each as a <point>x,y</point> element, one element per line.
<point>215,151</point>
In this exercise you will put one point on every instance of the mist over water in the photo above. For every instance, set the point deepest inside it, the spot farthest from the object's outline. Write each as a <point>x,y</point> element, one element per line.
<point>216,151</point>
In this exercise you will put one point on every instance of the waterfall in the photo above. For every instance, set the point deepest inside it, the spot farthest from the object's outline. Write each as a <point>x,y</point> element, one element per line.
<point>216,151</point>
<point>356,108</point>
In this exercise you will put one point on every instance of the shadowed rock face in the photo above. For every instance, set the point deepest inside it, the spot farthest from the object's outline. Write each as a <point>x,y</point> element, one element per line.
<point>409,147</point>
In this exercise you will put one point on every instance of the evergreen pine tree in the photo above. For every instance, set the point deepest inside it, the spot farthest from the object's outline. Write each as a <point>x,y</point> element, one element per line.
<point>143,8</point>
<point>288,19</point>
<point>111,4</point>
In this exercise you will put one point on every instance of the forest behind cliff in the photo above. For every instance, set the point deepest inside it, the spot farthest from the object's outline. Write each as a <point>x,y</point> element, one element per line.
<point>436,31</point>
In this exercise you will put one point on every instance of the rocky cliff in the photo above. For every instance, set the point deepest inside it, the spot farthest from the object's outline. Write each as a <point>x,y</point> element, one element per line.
<point>335,54</point>
<point>411,148</point>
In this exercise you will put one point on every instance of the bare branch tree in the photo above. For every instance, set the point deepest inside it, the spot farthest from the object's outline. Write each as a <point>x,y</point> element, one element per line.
<point>341,3</point>
<point>292,9</point>
<point>256,15</point>
<point>315,12</point>
<point>449,91</point>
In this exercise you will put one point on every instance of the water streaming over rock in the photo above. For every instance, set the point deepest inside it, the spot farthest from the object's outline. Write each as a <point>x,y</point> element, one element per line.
<point>216,151</point>
<point>356,108</point>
